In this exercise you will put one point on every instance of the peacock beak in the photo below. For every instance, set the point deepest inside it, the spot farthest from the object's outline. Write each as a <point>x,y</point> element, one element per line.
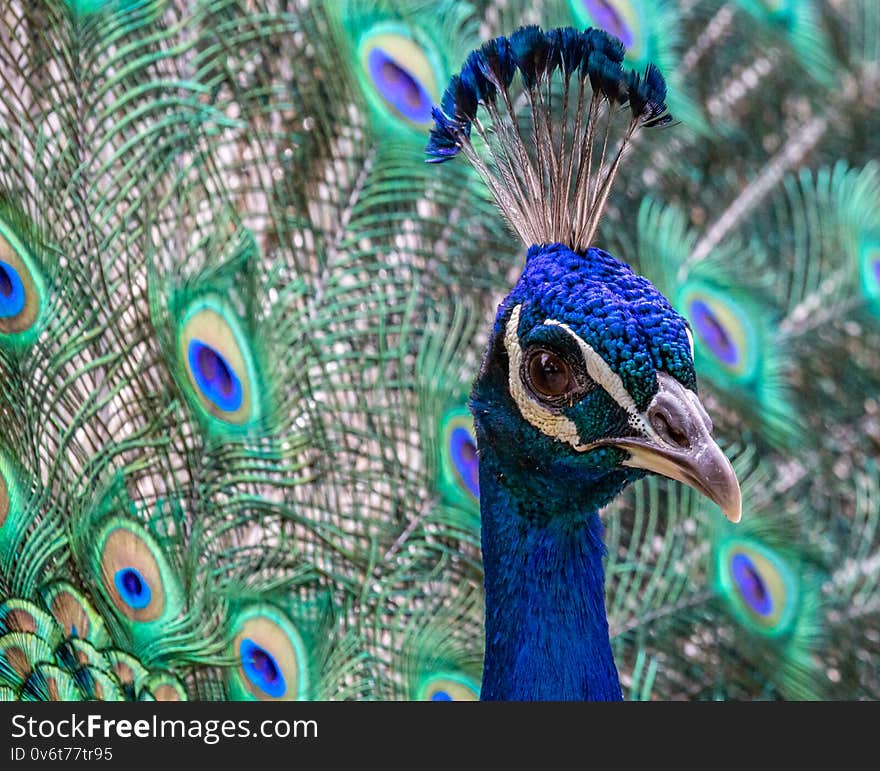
<point>677,442</point>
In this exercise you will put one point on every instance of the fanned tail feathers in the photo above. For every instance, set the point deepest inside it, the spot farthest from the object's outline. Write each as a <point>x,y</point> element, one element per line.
<point>240,317</point>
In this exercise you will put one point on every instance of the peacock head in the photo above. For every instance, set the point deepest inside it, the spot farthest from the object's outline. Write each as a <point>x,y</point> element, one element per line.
<point>588,384</point>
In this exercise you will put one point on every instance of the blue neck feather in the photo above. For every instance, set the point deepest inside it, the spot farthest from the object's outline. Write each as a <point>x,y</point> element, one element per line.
<point>546,628</point>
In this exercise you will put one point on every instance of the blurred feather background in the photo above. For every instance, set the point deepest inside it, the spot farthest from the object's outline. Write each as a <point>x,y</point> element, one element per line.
<point>251,174</point>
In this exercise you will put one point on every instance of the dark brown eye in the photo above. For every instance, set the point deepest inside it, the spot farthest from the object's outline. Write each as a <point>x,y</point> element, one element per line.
<point>549,375</point>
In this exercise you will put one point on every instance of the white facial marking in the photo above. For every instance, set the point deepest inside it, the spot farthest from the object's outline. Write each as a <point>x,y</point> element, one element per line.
<point>547,422</point>
<point>558,426</point>
<point>553,424</point>
<point>690,340</point>
<point>598,369</point>
<point>601,372</point>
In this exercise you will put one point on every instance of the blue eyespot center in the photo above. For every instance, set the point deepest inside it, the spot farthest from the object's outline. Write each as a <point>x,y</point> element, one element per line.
<point>713,333</point>
<point>751,585</point>
<point>213,375</point>
<point>463,450</point>
<point>5,282</point>
<point>876,266</point>
<point>12,294</point>
<point>441,696</point>
<point>261,668</point>
<point>132,588</point>
<point>609,18</point>
<point>399,88</point>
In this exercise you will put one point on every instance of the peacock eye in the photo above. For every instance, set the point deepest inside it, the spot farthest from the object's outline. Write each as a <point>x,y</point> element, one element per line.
<point>549,374</point>
<point>551,377</point>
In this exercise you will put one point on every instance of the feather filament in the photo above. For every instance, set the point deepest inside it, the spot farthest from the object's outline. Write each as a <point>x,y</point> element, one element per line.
<point>548,189</point>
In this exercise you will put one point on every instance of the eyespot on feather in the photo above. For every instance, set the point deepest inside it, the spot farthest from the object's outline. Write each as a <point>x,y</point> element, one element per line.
<point>620,18</point>
<point>271,658</point>
<point>134,574</point>
<point>723,331</point>
<point>448,686</point>
<point>400,73</point>
<point>459,462</point>
<point>22,290</point>
<point>759,585</point>
<point>219,366</point>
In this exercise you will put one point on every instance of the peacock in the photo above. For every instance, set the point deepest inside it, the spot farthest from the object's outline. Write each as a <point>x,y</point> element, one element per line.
<point>287,412</point>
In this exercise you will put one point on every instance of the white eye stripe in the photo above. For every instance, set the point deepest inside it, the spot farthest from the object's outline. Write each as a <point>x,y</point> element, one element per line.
<point>690,337</point>
<point>599,371</point>
<point>550,423</point>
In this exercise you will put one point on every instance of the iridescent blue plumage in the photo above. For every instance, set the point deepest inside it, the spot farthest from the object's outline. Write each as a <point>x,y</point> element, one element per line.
<point>548,465</point>
<point>261,669</point>
<point>402,90</point>
<point>535,54</point>
<point>750,585</point>
<point>22,286</point>
<point>214,376</point>
<point>609,18</point>
<point>463,452</point>
<point>621,314</point>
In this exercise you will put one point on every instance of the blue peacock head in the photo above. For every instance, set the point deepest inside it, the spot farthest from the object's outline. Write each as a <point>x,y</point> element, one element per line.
<point>589,380</point>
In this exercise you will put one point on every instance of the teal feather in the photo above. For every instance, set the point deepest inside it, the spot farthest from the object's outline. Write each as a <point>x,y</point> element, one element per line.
<point>773,594</point>
<point>160,160</point>
<point>799,24</point>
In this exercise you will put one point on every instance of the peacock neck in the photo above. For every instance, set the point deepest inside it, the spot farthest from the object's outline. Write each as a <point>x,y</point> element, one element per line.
<point>546,628</point>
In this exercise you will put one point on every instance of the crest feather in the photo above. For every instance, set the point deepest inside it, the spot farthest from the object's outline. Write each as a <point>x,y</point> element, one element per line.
<point>549,143</point>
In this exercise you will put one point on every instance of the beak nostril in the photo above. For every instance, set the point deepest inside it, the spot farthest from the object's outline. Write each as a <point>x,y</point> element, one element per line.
<point>680,438</point>
<point>668,431</point>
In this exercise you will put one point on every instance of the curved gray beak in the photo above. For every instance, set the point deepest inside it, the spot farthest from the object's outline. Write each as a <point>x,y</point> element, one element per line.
<point>677,443</point>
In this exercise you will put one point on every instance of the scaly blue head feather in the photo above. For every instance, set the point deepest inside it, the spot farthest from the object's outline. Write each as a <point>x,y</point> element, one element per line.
<point>563,301</point>
<point>619,313</point>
